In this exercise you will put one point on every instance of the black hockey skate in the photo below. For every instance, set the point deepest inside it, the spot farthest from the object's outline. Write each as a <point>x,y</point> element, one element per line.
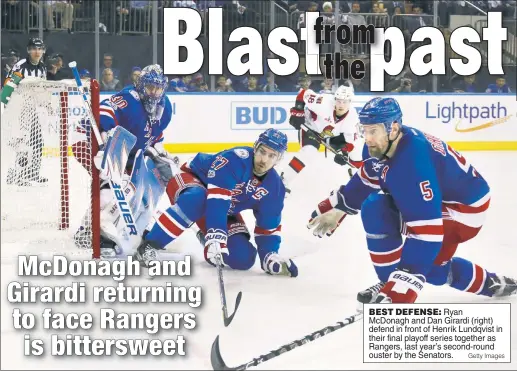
<point>370,294</point>
<point>502,286</point>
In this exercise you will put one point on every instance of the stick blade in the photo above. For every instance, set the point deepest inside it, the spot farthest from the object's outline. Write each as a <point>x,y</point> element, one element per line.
<point>215,357</point>
<point>228,320</point>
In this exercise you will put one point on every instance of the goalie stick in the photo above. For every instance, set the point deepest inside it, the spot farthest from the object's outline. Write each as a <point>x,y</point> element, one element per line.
<point>114,178</point>
<point>226,319</point>
<point>218,362</point>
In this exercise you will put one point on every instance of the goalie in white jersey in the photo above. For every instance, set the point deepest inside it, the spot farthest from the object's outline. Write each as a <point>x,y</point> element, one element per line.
<point>333,117</point>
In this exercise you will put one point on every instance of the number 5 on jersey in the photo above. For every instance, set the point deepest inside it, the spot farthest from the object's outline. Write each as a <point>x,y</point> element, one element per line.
<point>427,192</point>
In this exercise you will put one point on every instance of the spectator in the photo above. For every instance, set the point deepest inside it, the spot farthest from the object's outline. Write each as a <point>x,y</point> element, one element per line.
<point>184,4</point>
<point>327,86</point>
<point>11,59</point>
<point>313,7</point>
<point>108,63</point>
<point>224,85</point>
<point>354,18</point>
<point>178,85</point>
<point>360,86</point>
<point>135,74</point>
<point>467,85</point>
<point>109,82</point>
<point>252,86</point>
<point>270,79</point>
<point>62,7</point>
<point>500,87</point>
<point>304,82</point>
<point>54,64</point>
<point>198,83</point>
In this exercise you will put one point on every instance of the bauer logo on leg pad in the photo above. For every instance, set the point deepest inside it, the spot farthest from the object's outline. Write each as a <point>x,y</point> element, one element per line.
<point>124,209</point>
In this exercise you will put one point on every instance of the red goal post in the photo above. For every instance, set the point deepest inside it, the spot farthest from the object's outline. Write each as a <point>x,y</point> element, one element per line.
<point>50,186</point>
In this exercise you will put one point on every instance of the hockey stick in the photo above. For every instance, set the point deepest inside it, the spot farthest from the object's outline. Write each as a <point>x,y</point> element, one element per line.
<point>123,205</point>
<point>327,146</point>
<point>218,362</point>
<point>337,153</point>
<point>226,319</point>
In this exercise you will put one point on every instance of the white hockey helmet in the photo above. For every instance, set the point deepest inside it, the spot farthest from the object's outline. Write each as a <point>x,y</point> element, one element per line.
<point>345,93</point>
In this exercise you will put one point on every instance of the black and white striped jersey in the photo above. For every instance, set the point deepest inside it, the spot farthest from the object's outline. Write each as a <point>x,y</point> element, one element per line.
<point>27,69</point>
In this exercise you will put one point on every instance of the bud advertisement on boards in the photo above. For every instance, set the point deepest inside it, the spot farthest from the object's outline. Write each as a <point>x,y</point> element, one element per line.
<point>285,185</point>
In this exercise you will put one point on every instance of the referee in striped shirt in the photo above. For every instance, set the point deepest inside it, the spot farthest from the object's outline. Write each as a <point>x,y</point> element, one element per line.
<point>26,171</point>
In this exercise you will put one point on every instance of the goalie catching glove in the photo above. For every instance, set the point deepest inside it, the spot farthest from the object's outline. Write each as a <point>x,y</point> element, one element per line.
<point>328,215</point>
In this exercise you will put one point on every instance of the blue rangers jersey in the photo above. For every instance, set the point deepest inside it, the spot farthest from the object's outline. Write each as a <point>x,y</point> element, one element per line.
<point>232,187</point>
<point>125,109</point>
<point>425,177</point>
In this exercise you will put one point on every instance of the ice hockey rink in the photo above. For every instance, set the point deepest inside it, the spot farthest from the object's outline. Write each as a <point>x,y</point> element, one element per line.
<point>277,310</point>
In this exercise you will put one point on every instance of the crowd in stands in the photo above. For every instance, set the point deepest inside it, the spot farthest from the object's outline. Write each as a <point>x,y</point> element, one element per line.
<point>64,15</point>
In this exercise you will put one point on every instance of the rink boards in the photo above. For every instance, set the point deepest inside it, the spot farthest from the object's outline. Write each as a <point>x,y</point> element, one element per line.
<point>210,122</point>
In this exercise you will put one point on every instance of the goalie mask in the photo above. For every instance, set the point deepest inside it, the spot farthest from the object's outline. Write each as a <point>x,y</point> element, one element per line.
<point>151,87</point>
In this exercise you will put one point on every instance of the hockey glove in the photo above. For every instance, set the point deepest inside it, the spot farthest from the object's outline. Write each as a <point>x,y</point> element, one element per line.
<point>328,215</point>
<point>275,264</point>
<point>297,115</point>
<point>297,118</point>
<point>215,246</point>
<point>402,287</point>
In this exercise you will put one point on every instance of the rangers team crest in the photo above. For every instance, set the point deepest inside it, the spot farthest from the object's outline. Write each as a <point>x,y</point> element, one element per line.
<point>242,153</point>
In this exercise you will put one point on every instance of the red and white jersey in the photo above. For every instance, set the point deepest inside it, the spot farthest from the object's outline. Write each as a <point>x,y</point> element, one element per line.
<point>321,117</point>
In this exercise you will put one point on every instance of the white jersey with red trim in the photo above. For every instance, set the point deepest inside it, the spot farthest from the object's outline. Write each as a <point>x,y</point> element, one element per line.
<point>320,116</point>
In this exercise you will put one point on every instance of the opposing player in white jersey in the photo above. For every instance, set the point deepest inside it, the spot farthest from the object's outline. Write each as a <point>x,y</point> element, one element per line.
<point>333,117</point>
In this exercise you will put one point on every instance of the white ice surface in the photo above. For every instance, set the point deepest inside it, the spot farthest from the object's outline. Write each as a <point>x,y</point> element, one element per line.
<point>274,310</point>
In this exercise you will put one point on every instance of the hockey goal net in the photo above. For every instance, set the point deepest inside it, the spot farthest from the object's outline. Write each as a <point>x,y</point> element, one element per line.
<point>50,188</point>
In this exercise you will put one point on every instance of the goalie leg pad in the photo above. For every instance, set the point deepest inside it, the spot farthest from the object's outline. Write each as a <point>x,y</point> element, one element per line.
<point>381,222</point>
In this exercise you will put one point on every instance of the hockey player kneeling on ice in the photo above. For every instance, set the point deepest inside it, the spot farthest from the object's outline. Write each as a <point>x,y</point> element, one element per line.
<point>144,111</point>
<point>330,115</point>
<point>418,187</point>
<point>212,190</point>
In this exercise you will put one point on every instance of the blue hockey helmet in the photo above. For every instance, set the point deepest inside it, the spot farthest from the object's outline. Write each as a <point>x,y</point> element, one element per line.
<point>151,86</point>
<point>274,139</point>
<point>381,111</point>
